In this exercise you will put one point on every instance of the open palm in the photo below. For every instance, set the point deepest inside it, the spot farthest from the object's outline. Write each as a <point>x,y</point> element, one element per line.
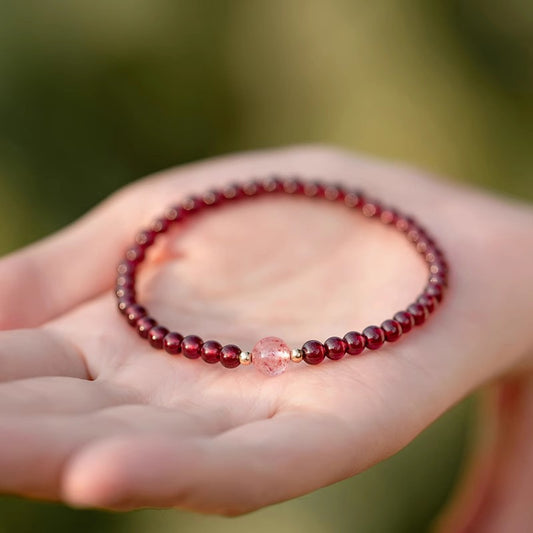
<point>89,413</point>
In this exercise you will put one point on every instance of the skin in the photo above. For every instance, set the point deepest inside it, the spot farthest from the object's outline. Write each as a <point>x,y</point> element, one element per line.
<point>90,414</point>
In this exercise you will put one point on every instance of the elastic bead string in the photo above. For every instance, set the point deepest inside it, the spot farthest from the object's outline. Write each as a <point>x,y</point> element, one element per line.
<point>271,354</point>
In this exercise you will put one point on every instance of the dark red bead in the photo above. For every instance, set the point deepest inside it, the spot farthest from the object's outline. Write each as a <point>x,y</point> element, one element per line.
<point>230,356</point>
<point>272,185</point>
<point>124,302</point>
<point>428,302</point>
<point>126,267</point>
<point>438,279</point>
<point>374,336</point>
<point>355,342</point>
<point>145,238</point>
<point>126,282</point>
<point>174,213</point>
<point>405,320</point>
<point>156,336</point>
<point>135,254</point>
<point>312,189</point>
<point>335,348</point>
<point>251,188</point>
<point>435,290</point>
<point>232,192</point>
<point>134,312</point>
<point>122,292</point>
<point>211,351</point>
<point>144,325</point>
<point>172,343</point>
<point>191,346</point>
<point>334,193</point>
<point>192,204</point>
<point>419,313</point>
<point>160,225</point>
<point>388,216</point>
<point>313,352</point>
<point>211,198</point>
<point>371,209</point>
<point>293,186</point>
<point>392,330</point>
<point>354,199</point>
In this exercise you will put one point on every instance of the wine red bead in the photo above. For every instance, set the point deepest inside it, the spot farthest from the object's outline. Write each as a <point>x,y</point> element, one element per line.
<point>435,290</point>
<point>172,343</point>
<point>156,336</point>
<point>313,352</point>
<point>125,282</point>
<point>438,279</point>
<point>230,356</point>
<point>191,346</point>
<point>134,312</point>
<point>124,302</point>
<point>405,320</point>
<point>160,225</point>
<point>355,342</point>
<point>145,238</point>
<point>418,312</point>
<point>126,267</point>
<point>335,348</point>
<point>144,325</point>
<point>211,351</point>
<point>375,337</point>
<point>428,302</point>
<point>135,254</point>
<point>392,330</point>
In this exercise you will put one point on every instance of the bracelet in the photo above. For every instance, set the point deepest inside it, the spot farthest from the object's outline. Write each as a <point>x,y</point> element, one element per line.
<point>271,355</point>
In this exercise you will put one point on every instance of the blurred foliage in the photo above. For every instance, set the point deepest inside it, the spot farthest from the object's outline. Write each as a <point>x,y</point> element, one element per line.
<point>96,94</point>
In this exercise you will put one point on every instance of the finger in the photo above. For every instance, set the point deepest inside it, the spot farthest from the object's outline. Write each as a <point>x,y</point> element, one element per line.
<point>35,352</point>
<point>59,395</point>
<point>269,461</point>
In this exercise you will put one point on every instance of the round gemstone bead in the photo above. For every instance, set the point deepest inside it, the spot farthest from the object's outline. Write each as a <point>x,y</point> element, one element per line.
<point>435,290</point>
<point>230,356</point>
<point>124,302</point>
<point>375,337</point>
<point>313,352</point>
<point>418,312</point>
<point>271,356</point>
<point>134,312</point>
<point>135,254</point>
<point>172,343</point>
<point>144,325</point>
<point>405,320</point>
<point>156,336</point>
<point>428,302</point>
<point>191,346</point>
<point>335,348</point>
<point>355,342</point>
<point>211,351</point>
<point>392,330</point>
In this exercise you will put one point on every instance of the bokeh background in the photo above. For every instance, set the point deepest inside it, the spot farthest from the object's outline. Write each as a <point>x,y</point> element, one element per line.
<point>96,94</point>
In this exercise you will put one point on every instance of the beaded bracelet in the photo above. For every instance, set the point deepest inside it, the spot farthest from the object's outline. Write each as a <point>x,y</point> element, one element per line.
<point>271,355</point>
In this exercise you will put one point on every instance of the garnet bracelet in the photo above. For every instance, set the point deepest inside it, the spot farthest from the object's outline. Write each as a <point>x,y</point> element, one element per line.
<point>271,355</point>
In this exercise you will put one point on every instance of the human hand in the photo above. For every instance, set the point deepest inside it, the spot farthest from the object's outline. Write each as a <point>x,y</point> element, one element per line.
<point>92,415</point>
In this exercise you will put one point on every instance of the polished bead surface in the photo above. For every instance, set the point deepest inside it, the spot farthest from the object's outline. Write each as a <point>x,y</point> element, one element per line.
<point>355,342</point>
<point>418,312</point>
<point>211,351</point>
<point>144,325</point>
<point>172,343</point>
<point>191,346</point>
<point>245,358</point>
<point>405,320</point>
<point>314,352</point>
<point>297,355</point>
<point>435,290</point>
<point>392,330</point>
<point>271,356</point>
<point>156,336</point>
<point>374,336</point>
<point>335,348</point>
<point>428,302</point>
<point>134,312</point>
<point>230,356</point>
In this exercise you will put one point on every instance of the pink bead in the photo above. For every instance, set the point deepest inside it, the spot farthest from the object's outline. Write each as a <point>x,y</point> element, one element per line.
<point>271,356</point>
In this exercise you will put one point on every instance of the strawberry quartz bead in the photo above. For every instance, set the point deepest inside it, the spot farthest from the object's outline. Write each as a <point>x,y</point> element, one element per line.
<point>211,352</point>
<point>313,352</point>
<point>335,348</point>
<point>191,346</point>
<point>156,336</point>
<point>375,337</point>
<point>230,356</point>
<point>405,320</point>
<point>271,356</point>
<point>392,330</point>
<point>172,343</point>
<point>355,342</point>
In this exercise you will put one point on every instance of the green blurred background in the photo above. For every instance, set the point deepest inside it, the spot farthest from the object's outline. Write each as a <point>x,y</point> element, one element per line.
<point>95,94</point>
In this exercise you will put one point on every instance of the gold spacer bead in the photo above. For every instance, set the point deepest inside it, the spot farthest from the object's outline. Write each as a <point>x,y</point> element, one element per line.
<point>245,358</point>
<point>297,355</point>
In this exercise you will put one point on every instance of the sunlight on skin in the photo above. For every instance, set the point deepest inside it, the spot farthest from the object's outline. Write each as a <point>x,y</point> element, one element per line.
<point>154,430</point>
